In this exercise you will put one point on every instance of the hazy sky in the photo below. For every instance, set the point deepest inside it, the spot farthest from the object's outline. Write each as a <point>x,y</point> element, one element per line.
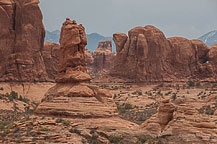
<point>188,18</point>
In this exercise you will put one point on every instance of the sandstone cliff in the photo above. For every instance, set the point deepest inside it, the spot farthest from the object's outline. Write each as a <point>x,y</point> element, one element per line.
<point>146,55</point>
<point>21,41</point>
<point>50,55</point>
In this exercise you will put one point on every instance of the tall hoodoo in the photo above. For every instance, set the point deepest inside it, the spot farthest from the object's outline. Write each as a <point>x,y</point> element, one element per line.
<point>73,66</point>
<point>73,96</point>
<point>21,41</point>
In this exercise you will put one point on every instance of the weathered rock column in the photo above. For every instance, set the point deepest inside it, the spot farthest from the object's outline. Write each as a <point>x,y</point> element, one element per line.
<point>73,96</point>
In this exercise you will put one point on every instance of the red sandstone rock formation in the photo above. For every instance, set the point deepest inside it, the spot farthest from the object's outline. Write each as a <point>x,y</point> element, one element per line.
<point>181,125</point>
<point>50,55</point>
<point>146,55</point>
<point>73,96</point>
<point>103,56</point>
<point>21,41</point>
<point>143,55</point>
<point>89,60</point>
<point>160,120</point>
<point>212,55</point>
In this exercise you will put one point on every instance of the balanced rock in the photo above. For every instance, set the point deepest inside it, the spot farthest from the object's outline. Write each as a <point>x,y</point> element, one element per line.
<point>73,96</point>
<point>103,56</point>
<point>21,41</point>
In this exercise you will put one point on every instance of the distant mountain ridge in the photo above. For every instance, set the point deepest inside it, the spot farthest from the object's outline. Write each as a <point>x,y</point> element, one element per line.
<point>209,38</point>
<point>92,39</point>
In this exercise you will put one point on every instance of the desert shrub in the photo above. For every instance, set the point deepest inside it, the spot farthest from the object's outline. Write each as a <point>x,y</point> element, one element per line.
<point>25,100</point>
<point>168,93</point>
<point>214,85</point>
<point>15,107</point>
<point>83,141</point>
<point>134,93</point>
<point>33,134</point>
<point>19,140</point>
<point>207,110</point>
<point>128,106</point>
<point>174,96</point>
<point>43,129</point>
<point>66,123</point>
<point>190,83</point>
<point>148,93</point>
<point>59,120</point>
<point>139,93</point>
<point>177,87</point>
<point>159,93</point>
<point>115,139</point>
<point>92,131</point>
<point>115,88</point>
<point>160,85</point>
<point>74,130</point>
<point>142,139</point>
<point>4,133</point>
<point>1,88</point>
<point>115,95</point>
<point>198,84</point>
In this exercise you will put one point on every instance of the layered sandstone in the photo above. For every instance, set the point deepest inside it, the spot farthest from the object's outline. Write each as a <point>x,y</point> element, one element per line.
<point>146,55</point>
<point>182,125</point>
<point>73,96</point>
<point>21,41</point>
<point>103,56</point>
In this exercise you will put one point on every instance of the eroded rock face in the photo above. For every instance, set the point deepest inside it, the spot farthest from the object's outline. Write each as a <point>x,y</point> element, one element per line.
<point>142,56</point>
<point>73,96</point>
<point>103,56</point>
<point>89,60</point>
<point>21,41</point>
<point>147,56</point>
<point>72,57</point>
<point>212,55</point>
<point>160,120</point>
<point>183,124</point>
<point>50,55</point>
